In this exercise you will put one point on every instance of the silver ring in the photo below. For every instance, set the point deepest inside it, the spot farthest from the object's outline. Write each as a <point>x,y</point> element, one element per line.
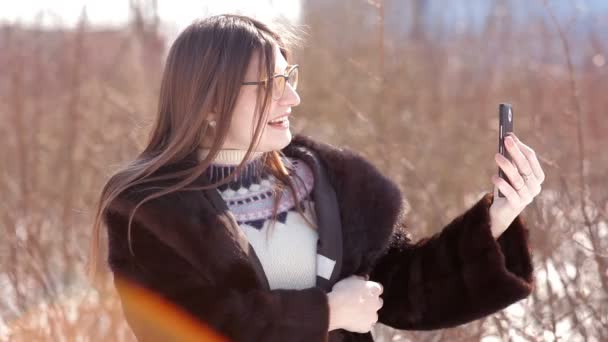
<point>526,177</point>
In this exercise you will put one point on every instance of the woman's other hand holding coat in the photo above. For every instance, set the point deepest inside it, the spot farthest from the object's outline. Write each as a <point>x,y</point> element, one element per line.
<point>353,304</point>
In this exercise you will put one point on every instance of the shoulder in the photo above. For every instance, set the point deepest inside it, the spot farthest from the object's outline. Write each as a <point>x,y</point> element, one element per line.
<point>348,169</point>
<point>153,209</point>
<point>144,198</point>
<point>361,187</point>
<point>172,223</point>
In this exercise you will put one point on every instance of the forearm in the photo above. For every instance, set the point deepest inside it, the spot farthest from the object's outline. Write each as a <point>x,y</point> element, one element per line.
<point>500,221</point>
<point>458,275</point>
<point>497,230</point>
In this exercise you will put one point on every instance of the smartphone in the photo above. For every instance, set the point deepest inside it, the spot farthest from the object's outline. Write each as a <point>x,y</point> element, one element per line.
<point>505,126</point>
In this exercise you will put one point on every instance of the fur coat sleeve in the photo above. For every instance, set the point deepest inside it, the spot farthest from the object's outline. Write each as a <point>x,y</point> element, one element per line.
<point>456,276</point>
<point>222,295</point>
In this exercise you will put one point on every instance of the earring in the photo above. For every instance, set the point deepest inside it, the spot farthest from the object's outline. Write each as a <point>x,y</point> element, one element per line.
<point>212,123</point>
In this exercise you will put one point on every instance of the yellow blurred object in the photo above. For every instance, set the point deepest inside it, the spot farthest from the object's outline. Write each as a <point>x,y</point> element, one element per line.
<point>161,320</point>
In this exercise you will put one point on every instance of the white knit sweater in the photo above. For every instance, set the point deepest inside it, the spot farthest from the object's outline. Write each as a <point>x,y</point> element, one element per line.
<point>288,253</point>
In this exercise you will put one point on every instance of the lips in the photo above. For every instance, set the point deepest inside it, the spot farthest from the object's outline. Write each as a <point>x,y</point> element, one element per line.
<point>280,116</point>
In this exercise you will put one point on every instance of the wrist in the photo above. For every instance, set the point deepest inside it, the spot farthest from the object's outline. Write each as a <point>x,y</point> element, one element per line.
<point>500,223</point>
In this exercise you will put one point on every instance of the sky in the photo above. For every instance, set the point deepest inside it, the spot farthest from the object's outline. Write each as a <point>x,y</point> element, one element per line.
<point>174,14</point>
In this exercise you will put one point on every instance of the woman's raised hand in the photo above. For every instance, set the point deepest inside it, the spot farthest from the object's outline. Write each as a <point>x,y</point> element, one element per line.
<point>353,304</point>
<point>526,176</point>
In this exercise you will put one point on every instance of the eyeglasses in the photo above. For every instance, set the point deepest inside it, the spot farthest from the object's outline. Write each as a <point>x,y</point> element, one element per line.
<point>279,80</point>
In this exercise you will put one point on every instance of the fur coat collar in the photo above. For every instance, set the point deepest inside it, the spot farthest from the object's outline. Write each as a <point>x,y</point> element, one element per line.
<point>347,245</point>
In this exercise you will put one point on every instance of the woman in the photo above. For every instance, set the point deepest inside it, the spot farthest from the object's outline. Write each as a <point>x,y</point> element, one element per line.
<point>261,236</point>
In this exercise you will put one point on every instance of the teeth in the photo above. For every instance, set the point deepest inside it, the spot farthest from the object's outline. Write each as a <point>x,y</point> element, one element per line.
<point>279,120</point>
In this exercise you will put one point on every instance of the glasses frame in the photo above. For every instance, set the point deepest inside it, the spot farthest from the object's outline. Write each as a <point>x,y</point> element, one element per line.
<point>288,71</point>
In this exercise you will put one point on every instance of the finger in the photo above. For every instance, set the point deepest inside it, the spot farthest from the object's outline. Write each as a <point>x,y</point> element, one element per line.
<point>380,303</point>
<point>380,287</point>
<point>518,183</point>
<point>532,159</point>
<point>510,170</point>
<point>518,157</point>
<point>375,287</point>
<point>522,188</point>
<point>536,174</point>
<point>507,190</point>
<point>371,295</point>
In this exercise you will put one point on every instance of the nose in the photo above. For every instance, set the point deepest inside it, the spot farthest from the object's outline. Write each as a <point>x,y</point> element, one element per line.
<point>290,97</point>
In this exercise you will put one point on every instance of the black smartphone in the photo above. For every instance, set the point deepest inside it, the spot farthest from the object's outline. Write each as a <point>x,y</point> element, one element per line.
<point>505,126</point>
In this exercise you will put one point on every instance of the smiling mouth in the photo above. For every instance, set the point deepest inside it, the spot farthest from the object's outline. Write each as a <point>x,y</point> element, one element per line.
<point>279,120</point>
<point>282,123</point>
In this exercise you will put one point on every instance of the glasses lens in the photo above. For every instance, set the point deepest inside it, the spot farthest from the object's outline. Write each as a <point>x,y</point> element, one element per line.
<point>278,87</point>
<point>293,78</point>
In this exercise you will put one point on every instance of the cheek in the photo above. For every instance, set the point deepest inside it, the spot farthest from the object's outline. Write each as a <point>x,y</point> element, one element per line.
<point>243,116</point>
<point>245,107</point>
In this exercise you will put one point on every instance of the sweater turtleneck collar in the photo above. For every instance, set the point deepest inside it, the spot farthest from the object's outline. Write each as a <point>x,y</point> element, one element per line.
<point>226,161</point>
<point>226,157</point>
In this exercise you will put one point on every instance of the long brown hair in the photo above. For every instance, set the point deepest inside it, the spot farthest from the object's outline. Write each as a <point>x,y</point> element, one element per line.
<point>203,73</point>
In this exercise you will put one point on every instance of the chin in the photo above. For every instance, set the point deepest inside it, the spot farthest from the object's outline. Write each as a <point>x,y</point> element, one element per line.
<point>277,142</point>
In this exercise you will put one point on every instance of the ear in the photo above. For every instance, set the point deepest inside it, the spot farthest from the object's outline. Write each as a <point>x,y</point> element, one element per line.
<point>212,115</point>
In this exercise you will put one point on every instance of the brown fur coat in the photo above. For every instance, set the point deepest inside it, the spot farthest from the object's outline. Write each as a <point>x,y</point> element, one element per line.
<point>188,250</point>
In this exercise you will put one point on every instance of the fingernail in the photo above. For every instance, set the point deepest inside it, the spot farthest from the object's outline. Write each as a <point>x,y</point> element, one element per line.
<point>509,141</point>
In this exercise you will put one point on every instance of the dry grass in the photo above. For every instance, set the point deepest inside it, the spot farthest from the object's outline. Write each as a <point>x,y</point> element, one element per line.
<point>422,106</point>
